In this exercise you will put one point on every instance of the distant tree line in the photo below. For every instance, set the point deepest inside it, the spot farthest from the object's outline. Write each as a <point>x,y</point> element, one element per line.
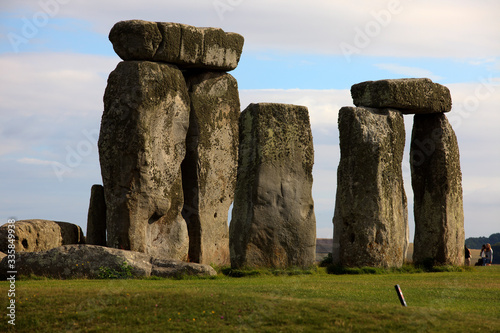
<point>477,242</point>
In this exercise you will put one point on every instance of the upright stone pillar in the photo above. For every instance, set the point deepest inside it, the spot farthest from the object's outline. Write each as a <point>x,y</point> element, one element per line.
<point>273,222</point>
<point>435,163</point>
<point>437,188</point>
<point>143,139</point>
<point>209,169</point>
<point>371,218</point>
<point>141,147</point>
<point>96,219</point>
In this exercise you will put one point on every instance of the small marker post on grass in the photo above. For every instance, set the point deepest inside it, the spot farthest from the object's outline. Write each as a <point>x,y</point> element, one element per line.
<point>400,295</point>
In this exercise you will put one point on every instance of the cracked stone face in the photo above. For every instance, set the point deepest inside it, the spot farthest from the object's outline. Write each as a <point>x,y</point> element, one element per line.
<point>141,148</point>
<point>180,44</point>
<point>409,96</point>
<point>209,169</point>
<point>437,187</point>
<point>273,222</point>
<point>371,217</point>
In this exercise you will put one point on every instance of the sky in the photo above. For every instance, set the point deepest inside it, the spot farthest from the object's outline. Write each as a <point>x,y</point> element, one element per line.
<point>55,58</point>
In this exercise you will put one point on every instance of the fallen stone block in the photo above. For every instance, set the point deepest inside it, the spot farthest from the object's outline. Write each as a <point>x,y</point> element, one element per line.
<point>41,235</point>
<point>89,261</point>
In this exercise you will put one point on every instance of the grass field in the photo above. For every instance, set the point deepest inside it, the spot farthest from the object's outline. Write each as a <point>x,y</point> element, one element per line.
<point>437,302</point>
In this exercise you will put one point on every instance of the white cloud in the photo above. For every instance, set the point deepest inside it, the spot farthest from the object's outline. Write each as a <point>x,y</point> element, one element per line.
<point>323,105</point>
<point>34,161</point>
<point>47,100</point>
<point>324,232</point>
<point>449,28</point>
<point>407,71</point>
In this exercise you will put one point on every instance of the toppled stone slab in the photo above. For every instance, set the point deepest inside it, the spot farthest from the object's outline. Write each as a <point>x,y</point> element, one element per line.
<point>174,268</point>
<point>371,217</point>
<point>180,44</point>
<point>40,235</point>
<point>85,261</point>
<point>273,222</point>
<point>437,188</point>
<point>209,169</point>
<point>141,148</point>
<point>410,96</point>
<point>96,218</point>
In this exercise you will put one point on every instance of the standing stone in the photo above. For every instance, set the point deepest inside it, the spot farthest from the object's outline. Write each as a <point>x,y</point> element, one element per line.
<point>209,169</point>
<point>141,147</point>
<point>437,187</point>
<point>96,218</point>
<point>406,95</point>
<point>179,44</point>
<point>371,218</point>
<point>273,222</point>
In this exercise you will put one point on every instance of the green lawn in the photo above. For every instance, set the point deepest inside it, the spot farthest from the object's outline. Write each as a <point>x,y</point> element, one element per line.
<point>437,302</point>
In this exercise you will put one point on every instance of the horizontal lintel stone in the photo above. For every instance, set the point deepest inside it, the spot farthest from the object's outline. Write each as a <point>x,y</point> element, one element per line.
<point>410,96</point>
<point>180,44</point>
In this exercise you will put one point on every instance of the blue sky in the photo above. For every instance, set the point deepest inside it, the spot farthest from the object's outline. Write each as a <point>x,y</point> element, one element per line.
<point>55,57</point>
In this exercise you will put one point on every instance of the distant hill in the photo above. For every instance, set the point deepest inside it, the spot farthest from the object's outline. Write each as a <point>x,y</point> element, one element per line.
<point>477,242</point>
<point>324,245</point>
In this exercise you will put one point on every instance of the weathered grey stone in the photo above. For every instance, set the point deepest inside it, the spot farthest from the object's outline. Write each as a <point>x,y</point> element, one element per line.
<point>173,268</point>
<point>41,235</point>
<point>141,147</point>
<point>209,169</point>
<point>407,95</point>
<point>371,218</point>
<point>437,188</point>
<point>96,218</point>
<point>85,261</point>
<point>180,44</point>
<point>273,222</point>
<point>135,39</point>
<point>221,50</point>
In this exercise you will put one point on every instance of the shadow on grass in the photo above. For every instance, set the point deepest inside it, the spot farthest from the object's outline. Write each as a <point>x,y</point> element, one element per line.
<point>249,272</point>
<point>412,269</point>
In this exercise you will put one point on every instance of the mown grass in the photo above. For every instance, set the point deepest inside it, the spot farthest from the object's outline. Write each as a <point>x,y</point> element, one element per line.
<point>467,301</point>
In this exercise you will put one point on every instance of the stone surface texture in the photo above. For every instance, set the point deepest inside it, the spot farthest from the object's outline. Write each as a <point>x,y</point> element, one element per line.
<point>141,147</point>
<point>273,222</point>
<point>85,261</point>
<point>209,169</point>
<point>180,44</point>
<point>437,188</point>
<point>173,268</point>
<point>410,96</point>
<point>371,218</point>
<point>96,218</point>
<point>40,235</point>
